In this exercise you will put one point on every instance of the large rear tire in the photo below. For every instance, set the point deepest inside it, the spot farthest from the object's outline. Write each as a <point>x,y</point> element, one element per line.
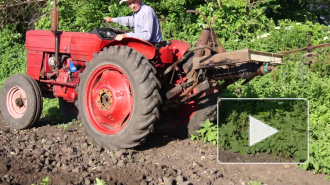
<point>206,109</point>
<point>21,101</point>
<point>118,98</point>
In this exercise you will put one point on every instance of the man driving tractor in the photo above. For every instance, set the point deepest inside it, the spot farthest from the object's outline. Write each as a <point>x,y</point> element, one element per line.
<point>144,20</point>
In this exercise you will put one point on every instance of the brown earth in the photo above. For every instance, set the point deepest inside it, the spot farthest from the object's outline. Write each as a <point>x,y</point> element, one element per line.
<point>67,157</point>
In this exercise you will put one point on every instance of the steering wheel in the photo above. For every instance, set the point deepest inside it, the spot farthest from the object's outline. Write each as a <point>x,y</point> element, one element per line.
<point>116,30</point>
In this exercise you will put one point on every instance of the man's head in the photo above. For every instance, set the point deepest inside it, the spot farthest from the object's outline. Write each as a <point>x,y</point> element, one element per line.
<point>134,5</point>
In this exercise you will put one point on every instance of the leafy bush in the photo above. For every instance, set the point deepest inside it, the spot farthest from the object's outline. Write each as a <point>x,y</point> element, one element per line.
<point>19,13</point>
<point>51,110</point>
<point>13,54</point>
<point>288,116</point>
<point>208,132</point>
<point>75,15</point>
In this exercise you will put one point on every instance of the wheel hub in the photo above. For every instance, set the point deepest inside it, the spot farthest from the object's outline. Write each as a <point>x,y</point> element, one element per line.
<point>109,99</point>
<point>104,99</point>
<point>16,102</point>
<point>19,102</point>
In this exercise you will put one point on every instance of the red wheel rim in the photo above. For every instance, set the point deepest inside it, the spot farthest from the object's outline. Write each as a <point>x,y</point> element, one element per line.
<point>108,99</point>
<point>16,102</point>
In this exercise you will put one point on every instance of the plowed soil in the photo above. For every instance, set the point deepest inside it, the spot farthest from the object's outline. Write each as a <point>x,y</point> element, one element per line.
<point>67,157</point>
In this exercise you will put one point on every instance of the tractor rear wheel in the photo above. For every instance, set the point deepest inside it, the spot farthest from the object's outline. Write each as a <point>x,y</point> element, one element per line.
<point>118,98</point>
<point>206,108</point>
<point>21,101</point>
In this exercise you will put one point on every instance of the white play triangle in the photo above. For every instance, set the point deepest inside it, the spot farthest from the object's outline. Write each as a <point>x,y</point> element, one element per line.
<point>259,131</point>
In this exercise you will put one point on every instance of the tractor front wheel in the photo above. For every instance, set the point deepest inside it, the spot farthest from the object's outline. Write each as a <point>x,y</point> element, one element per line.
<point>21,101</point>
<point>118,98</point>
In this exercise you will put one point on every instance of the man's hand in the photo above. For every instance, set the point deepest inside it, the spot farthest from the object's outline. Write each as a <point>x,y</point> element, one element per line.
<point>120,37</point>
<point>108,19</point>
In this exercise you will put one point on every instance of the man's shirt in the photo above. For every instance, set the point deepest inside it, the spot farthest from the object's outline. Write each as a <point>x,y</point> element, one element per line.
<point>145,23</point>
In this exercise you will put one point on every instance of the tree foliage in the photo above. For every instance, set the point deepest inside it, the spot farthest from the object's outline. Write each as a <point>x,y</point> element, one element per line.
<point>232,16</point>
<point>299,10</point>
<point>20,14</point>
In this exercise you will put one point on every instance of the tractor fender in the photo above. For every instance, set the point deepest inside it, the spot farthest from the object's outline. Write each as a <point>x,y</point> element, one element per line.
<point>145,48</point>
<point>172,51</point>
<point>179,48</point>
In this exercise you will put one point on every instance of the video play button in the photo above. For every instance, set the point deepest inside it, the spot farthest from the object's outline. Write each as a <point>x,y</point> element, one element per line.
<point>263,130</point>
<point>259,131</point>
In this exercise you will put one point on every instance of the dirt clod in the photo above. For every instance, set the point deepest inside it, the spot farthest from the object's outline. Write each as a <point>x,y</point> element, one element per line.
<point>167,181</point>
<point>179,179</point>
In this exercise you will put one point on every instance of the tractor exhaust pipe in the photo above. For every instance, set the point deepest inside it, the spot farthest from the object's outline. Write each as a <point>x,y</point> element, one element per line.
<point>54,30</point>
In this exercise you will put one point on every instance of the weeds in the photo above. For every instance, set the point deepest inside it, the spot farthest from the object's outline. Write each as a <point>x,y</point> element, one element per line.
<point>100,182</point>
<point>45,181</point>
<point>65,126</point>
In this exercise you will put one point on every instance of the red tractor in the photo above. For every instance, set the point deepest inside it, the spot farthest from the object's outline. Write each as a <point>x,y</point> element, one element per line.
<point>123,90</point>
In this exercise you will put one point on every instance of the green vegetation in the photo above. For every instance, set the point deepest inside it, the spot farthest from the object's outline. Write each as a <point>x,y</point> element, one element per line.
<point>100,182</point>
<point>268,25</point>
<point>65,126</point>
<point>256,183</point>
<point>208,133</point>
<point>295,80</point>
<point>287,116</point>
<point>51,109</point>
<point>13,53</point>
<point>45,181</point>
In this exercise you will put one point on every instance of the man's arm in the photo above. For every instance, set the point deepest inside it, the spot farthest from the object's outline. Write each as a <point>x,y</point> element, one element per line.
<point>124,21</point>
<point>146,31</point>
